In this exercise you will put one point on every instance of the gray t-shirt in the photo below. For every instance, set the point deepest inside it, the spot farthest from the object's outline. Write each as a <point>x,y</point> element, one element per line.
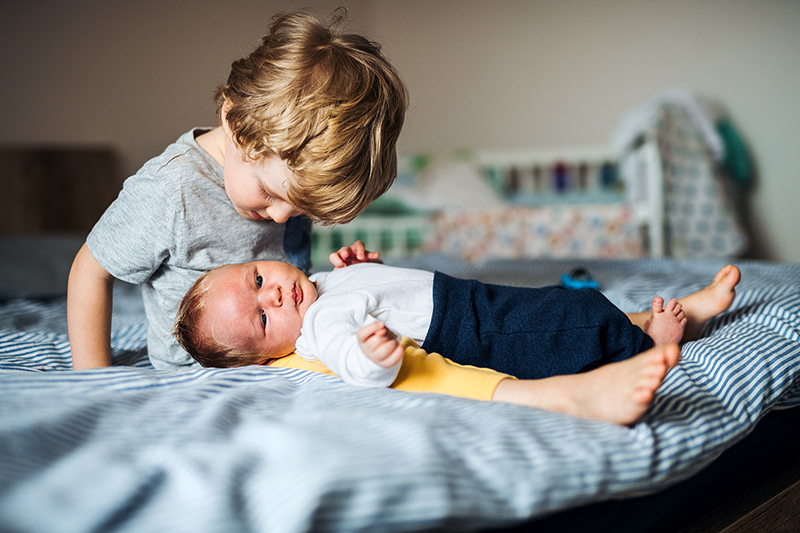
<point>171,222</point>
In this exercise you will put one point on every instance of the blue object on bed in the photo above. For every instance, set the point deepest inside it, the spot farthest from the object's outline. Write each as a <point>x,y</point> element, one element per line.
<point>265,449</point>
<point>578,278</point>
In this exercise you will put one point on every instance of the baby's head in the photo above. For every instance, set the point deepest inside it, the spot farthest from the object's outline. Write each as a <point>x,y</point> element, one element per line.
<point>244,314</point>
<point>326,102</point>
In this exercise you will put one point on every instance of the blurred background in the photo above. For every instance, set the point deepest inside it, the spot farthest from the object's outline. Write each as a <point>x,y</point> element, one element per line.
<point>481,74</point>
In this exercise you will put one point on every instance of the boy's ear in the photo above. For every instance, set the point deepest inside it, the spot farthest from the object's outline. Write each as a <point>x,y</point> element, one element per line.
<point>223,116</point>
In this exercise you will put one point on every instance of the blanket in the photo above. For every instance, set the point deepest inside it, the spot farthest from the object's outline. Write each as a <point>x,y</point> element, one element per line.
<point>131,448</point>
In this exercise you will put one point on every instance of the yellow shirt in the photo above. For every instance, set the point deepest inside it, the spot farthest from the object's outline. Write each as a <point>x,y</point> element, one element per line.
<point>423,372</point>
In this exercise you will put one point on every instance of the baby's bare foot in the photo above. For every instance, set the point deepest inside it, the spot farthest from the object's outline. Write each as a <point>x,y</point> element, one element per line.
<point>617,392</point>
<point>667,323</point>
<point>621,392</point>
<point>708,302</point>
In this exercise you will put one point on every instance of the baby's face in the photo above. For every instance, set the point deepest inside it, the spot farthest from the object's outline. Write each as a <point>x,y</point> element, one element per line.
<point>258,306</point>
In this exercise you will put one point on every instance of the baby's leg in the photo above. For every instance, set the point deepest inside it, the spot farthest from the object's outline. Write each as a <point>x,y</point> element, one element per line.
<point>667,323</point>
<point>617,392</point>
<point>711,300</point>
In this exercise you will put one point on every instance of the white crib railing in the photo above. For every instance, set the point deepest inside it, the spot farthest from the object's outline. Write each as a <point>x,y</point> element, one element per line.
<point>590,174</point>
<point>394,237</point>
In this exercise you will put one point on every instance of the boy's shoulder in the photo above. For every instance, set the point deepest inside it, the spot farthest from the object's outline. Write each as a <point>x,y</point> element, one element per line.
<point>183,159</point>
<point>180,182</point>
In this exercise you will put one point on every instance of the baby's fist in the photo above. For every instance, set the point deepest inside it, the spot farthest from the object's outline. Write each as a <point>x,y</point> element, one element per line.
<point>380,344</point>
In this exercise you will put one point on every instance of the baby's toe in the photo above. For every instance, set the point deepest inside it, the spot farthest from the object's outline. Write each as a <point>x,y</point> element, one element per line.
<point>658,304</point>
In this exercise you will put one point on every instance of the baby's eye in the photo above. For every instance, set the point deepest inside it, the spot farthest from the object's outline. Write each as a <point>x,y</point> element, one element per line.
<point>259,281</point>
<point>263,318</point>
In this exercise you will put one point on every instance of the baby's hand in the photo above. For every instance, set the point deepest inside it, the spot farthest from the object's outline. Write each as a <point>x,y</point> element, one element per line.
<point>351,255</point>
<point>380,344</point>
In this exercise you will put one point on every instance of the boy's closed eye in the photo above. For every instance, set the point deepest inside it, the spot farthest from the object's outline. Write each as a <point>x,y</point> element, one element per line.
<point>268,197</point>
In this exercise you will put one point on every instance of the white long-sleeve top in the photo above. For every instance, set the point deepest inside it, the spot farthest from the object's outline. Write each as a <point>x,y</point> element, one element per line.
<point>355,296</point>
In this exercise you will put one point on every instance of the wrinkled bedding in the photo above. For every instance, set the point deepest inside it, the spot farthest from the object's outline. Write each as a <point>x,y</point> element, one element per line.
<point>130,448</point>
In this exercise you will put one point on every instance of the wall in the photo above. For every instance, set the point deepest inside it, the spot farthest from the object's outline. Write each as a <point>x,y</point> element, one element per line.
<point>482,74</point>
<point>550,73</point>
<point>134,74</point>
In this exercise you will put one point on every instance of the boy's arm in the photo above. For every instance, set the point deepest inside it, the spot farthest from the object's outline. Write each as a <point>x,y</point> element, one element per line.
<point>351,255</point>
<point>89,303</point>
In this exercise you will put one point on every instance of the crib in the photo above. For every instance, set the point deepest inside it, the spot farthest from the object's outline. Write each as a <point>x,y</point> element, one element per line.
<point>542,193</point>
<point>660,192</point>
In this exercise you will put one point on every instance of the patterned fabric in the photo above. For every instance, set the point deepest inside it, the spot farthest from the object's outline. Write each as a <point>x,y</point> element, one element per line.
<point>698,203</point>
<point>130,448</point>
<point>599,231</point>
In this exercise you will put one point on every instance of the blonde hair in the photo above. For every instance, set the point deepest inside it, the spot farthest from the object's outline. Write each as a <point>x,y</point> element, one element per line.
<point>328,103</point>
<point>202,347</point>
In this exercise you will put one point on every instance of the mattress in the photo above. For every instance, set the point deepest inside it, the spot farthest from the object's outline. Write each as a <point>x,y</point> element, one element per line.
<point>131,448</point>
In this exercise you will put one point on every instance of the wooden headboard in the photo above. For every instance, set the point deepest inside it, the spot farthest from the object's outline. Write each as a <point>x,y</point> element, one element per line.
<point>56,189</point>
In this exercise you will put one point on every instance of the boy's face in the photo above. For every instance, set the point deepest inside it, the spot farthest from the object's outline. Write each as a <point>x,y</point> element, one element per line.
<point>258,306</point>
<point>257,188</point>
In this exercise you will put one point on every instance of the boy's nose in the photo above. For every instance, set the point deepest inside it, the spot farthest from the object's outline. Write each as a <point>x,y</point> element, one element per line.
<point>281,211</point>
<point>279,214</point>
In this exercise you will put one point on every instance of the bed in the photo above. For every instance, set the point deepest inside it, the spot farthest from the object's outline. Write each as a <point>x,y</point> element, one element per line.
<point>131,448</point>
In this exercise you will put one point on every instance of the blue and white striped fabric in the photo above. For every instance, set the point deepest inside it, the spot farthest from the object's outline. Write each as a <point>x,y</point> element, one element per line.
<point>131,448</point>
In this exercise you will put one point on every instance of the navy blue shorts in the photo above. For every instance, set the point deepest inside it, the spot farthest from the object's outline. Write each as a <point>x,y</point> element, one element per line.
<point>529,333</point>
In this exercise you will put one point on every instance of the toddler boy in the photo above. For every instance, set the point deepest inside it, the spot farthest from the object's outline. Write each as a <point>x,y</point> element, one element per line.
<point>309,125</point>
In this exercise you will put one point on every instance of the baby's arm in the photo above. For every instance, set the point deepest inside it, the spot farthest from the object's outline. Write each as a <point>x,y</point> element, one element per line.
<point>351,255</point>
<point>334,332</point>
<point>380,344</point>
<point>89,302</point>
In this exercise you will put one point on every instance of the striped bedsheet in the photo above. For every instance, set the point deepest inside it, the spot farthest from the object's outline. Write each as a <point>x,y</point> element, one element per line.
<point>130,448</point>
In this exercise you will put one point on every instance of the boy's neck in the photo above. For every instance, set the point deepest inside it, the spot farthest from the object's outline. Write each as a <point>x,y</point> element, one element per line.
<point>214,142</point>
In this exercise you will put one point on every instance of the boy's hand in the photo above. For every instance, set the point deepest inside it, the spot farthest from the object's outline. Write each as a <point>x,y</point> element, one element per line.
<point>380,344</point>
<point>351,255</point>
